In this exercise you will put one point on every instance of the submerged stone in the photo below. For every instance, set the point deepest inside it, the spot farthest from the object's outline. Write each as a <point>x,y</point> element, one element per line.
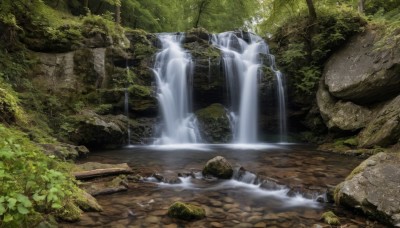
<point>218,167</point>
<point>330,218</point>
<point>186,211</point>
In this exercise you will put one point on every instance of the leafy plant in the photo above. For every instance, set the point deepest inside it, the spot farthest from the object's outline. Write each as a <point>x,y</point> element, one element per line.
<point>34,186</point>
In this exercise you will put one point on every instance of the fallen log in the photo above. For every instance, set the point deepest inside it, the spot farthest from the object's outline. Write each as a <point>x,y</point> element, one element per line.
<point>101,172</point>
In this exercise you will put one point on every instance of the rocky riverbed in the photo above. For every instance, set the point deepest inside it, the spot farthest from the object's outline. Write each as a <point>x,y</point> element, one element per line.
<point>284,192</point>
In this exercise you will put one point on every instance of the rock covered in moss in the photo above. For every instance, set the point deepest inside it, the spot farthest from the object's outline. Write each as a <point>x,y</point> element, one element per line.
<point>218,167</point>
<point>94,130</point>
<point>214,124</point>
<point>330,218</point>
<point>373,188</point>
<point>186,211</point>
<point>87,202</point>
<point>384,129</point>
<point>64,150</point>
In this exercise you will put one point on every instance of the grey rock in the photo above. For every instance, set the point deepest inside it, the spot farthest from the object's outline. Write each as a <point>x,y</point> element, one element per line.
<point>362,71</point>
<point>343,115</point>
<point>373,188</point>
<point>384,129</point>
<point>218,167</point>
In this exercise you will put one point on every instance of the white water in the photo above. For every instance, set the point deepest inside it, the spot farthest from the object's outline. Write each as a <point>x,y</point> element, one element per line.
<point>241,62</point>
<point>173,71</point>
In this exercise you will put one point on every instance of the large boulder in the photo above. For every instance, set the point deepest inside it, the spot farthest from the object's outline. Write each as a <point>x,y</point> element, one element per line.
<point>362,71</point>
<point>384,129</point>
<point>218,167</point>
<point>343,115</point>
<point>373,188</point>
<point>93,130</point>
<point>214,124</point>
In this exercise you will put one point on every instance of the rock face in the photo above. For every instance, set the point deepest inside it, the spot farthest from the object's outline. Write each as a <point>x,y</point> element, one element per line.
<point>186,211</point>
<point>343,115</point>
<point>214,124</point>
<point>373,188</point>
<point>360,90</point>
<point>384,129</point>
<point>94,130</point>
<point>362,72</point>
<point>218,167</point>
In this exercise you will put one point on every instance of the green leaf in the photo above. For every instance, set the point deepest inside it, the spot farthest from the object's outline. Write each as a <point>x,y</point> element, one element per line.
<point>8,218</point>
<point>2,209</point>
<point>56,205</point>
<point>38,198</point>
<point>11,203</point>
<point>24,200</point>
<point>22,210</point>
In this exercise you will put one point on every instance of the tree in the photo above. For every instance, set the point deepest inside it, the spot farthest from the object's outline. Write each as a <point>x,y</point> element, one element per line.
<point>311,10</point>
<point>361,6</point>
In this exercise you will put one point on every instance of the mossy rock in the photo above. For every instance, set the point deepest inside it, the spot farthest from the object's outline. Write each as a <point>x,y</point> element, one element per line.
<point>218,167</point>
<point>214,124</point>
<point>330,218</point>
<point>87,202</point>
<point>186,211</point>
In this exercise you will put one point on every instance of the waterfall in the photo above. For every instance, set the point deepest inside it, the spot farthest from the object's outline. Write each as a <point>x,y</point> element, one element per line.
<point>173,70</point>
<point>126,104</point>
<point>242,58</point>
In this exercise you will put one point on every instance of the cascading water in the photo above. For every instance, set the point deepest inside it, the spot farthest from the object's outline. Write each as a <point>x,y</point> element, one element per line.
<point>126,106</point>
<point>173,71</point>
<point>242,60</point>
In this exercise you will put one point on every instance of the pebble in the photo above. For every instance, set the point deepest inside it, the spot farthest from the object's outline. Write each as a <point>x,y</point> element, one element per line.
<point>216,224</point>
<point>152,219</point>
<point>254,219</point>
<point>260,224</point>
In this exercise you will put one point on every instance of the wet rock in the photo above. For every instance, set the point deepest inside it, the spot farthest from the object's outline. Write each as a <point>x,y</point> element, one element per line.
<point>343,115</point>
<point>362,73</point>
<point>186,211</point>
<point>384,129</point>
<point>373,188</point>
<point>64,150</point>
<point>216,224</point>
<point>91,129</point>
<point>88,203</point>
<point>105,187</point>
<point>218,167</point>
<point>214,124</point>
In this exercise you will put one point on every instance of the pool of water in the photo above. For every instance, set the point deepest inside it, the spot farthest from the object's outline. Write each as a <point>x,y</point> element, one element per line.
<point>284,186</point>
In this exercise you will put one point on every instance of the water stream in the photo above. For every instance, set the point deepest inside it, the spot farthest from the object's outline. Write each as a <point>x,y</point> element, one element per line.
<point>242,60</point>
<point>173,71</point>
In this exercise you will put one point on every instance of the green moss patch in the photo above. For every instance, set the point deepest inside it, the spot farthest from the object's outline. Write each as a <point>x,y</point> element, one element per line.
<point>186,211</point>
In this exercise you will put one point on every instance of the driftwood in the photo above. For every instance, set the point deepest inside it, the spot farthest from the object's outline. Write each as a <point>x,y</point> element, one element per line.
<point>101,172</point>
<point>106,191</point>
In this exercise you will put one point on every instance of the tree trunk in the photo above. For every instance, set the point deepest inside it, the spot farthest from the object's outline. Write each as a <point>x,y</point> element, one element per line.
<point>202,6</point>
<point>86,6</point>
<point>311,10</point>
<point>361,6</point>
<point>118,14</point>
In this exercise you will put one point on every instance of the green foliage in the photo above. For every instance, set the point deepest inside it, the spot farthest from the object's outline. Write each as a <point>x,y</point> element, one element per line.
<point>303,48</point>
<point>34,186</point>
<point>9,108</point>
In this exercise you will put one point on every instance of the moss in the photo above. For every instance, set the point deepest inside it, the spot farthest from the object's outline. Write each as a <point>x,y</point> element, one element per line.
<point>103,109</point>
<point>70,212</point>
<point>330,218</point>
<point>140,91</point>
<point>214,111</point>
<point>87,202</point>
<point>186,211</point>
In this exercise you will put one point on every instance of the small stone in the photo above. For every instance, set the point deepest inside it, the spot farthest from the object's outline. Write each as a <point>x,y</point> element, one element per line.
<point>152,219</point>
<point>216,224</point>
<point>260,224</point>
